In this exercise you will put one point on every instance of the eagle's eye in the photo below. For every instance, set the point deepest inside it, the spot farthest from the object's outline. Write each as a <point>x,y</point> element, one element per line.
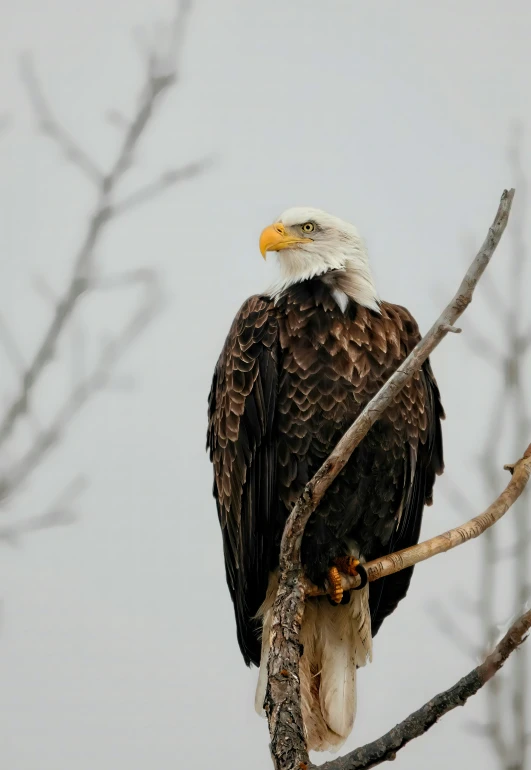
<point>308,227</point>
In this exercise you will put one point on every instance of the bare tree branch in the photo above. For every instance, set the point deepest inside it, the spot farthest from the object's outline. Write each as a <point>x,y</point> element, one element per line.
<point>64,341</point>
<point>158,186</point>
<point>408,557</point>
<point>160,76</point>
<point>282,701</point>
<point>97,379</point>
<point>386,747</point>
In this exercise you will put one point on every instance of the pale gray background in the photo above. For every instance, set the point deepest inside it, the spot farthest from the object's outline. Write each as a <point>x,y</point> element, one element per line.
<point>393,115</point>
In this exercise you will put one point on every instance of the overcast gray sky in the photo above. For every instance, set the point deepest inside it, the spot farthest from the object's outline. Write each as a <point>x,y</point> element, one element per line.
<point>395,116</point>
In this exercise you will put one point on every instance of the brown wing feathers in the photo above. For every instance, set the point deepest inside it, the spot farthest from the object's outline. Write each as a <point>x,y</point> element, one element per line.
<point>242,409</point>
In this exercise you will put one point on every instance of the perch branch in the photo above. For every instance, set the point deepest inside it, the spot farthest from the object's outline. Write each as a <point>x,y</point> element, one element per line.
<point>408,557</point>
<point>415,725</point>
<point>282,701</point>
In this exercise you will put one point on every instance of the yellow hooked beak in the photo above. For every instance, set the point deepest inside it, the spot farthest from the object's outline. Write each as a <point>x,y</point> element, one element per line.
<point>275,238</point>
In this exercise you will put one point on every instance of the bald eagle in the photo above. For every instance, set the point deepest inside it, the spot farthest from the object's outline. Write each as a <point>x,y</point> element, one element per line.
<point>299,364</point>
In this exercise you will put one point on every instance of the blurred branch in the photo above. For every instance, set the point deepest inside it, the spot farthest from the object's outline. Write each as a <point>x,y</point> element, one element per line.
<point>93,382</point>
<point>507,697</point>
<point>159,77</point>
<point>158,186</point>
<point>386,747</point>
<point>63,339</point>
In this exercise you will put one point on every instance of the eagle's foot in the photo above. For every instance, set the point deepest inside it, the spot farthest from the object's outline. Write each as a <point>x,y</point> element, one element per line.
<point>351,566</point>
<point>334,582</point>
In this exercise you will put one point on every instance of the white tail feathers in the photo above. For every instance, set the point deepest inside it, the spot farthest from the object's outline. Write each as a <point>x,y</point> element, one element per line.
<point>336,640</point>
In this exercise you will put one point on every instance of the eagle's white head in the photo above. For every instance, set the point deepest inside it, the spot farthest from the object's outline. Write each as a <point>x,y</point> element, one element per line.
<point>312,243</point>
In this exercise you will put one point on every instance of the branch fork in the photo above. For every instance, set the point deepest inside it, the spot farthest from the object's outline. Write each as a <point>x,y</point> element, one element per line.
<point>282,701</point>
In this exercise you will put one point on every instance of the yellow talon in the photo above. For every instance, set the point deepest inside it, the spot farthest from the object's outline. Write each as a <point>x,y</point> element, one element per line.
<point>334,581</point>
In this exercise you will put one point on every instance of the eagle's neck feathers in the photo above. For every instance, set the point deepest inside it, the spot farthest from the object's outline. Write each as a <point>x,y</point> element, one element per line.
<point>348,275</point>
